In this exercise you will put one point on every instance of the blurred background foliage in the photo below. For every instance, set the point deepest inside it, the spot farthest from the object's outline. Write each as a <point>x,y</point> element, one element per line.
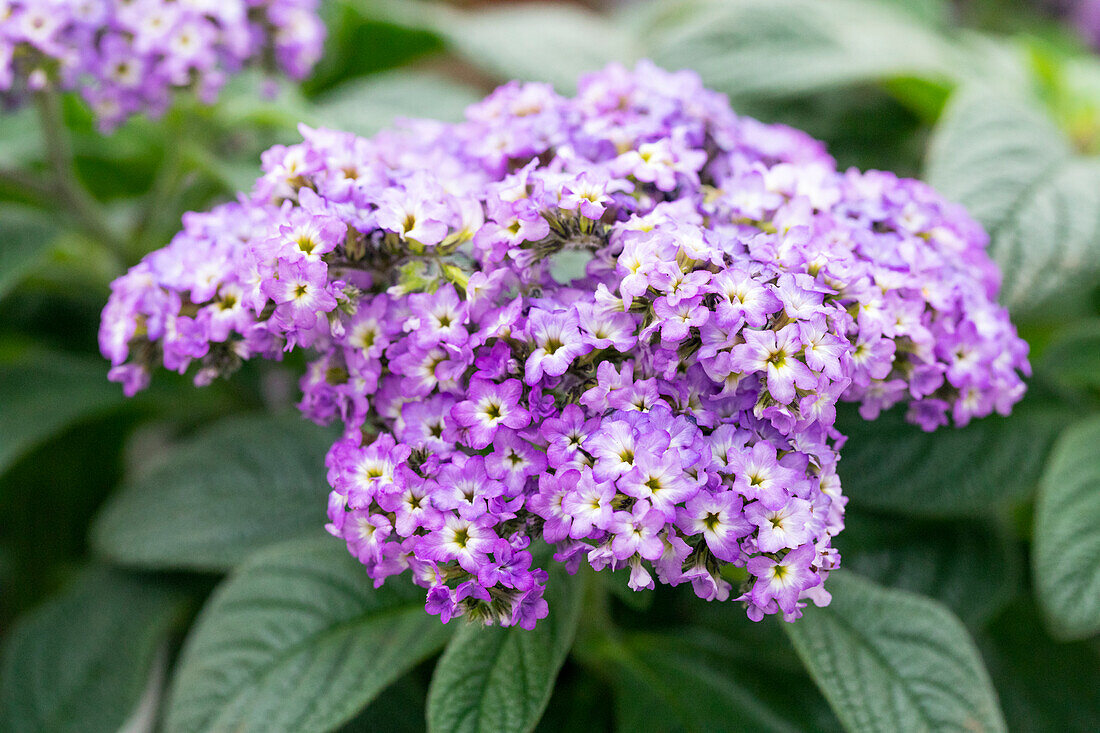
<point>996,103</point>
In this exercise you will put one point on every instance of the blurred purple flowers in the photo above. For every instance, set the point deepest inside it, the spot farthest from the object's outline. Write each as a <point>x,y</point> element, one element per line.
<point>668,411</point>
<point>126,57</point>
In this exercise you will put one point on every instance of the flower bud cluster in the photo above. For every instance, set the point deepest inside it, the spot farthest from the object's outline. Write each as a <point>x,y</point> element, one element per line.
<point>617,324</point>
<point>127,56</point>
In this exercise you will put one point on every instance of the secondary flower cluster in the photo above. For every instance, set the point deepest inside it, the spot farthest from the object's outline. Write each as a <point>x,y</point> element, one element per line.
<point>126,56</point>
<point>1086,17</point>
<point>617,324</point>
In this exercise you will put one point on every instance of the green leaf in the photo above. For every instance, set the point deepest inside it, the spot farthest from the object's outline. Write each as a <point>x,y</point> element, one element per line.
<point>44,392</point>
<point>690,682</point>
<point>82,661</point>
<point>498,680</point>
<point>888,660</point>
<point>358,45</point>
<point>891,465</point>
<point>1043,685</point>
<point>933,12</point>
<point>20,139</point>
<point>535,41</point>
<point>1017,174</point>
<point>966,565</point>
<point>297,639</point>
<point>779,48</point>
<point>368,105</point>
<point>1067,533</point>
<point>236,487</point>
<point>24,239</point>
<point>1072,360</point>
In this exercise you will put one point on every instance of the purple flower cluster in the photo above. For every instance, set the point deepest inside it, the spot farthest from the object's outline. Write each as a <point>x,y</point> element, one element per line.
<point>126,56</point>
<point>665,407</point>
<point>1085,15</point>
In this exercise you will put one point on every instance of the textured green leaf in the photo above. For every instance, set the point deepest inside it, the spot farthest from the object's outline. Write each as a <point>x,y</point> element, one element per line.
<point>81,662</point>
<point>1067,533</point>
<point>368,105</point>
<point>1017,174</point>
<point>498,680</point>
<point>776,48</point>
<point>44,392</point>
<point>24,239</point>
<point>234,488</point>
<point>535,41</point>
<point>888,660</point>
<point>297,639</point>
<point>357,44</point>
<point>892,465</point>
<point>966,565</point>
<point>691,682</point>
<point>20,140</point>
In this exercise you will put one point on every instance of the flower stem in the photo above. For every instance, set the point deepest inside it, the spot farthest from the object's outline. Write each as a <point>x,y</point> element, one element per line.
<point>80,205</point>
<point>166,185</point>
<point>27,185</point>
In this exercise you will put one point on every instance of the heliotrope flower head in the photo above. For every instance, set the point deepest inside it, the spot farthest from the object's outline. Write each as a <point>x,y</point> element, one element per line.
<point>127,56</point>
<point>617,324</point>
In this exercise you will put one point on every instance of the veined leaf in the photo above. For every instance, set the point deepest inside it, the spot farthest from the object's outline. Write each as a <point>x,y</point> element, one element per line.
<point>498,680</point>
<point>891,465</point>
<point>24,239</point>
<point>695,681</point>
<point>365,106</point>
<point>238,486</point>
<point>298,639</point>
<point>81,662</point>
<point>44,392</point>
<point>532,41</point>
<point>1067,533</point>
<point>1017,174</point>
<point>775,48</point>
<point>964,564</point>
<point>890,660</point>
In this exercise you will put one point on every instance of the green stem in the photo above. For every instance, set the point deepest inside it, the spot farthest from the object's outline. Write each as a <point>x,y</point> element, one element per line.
<point>80,205</point>
<point>167,183</point>
<point>26,185</point>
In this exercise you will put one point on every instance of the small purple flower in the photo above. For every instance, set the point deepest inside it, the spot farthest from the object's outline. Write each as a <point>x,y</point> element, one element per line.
<point>589,504</point>
<point>658,478</point>
<point>467,541</point>
<point>776,355</point>
<point>557,342</point>
<point>719,519</point>
<point>743,300</point>
<point>530,609</point>
<point>783,581</point>
<point>636,532</point>
<point>488,407</point>
<point>300,293</point>
<point>760,477</point>
<point>677,320</point>
<point>585,195</point>
<point>414,212</point>
<point>786,527</point>
<point>566,435</point>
